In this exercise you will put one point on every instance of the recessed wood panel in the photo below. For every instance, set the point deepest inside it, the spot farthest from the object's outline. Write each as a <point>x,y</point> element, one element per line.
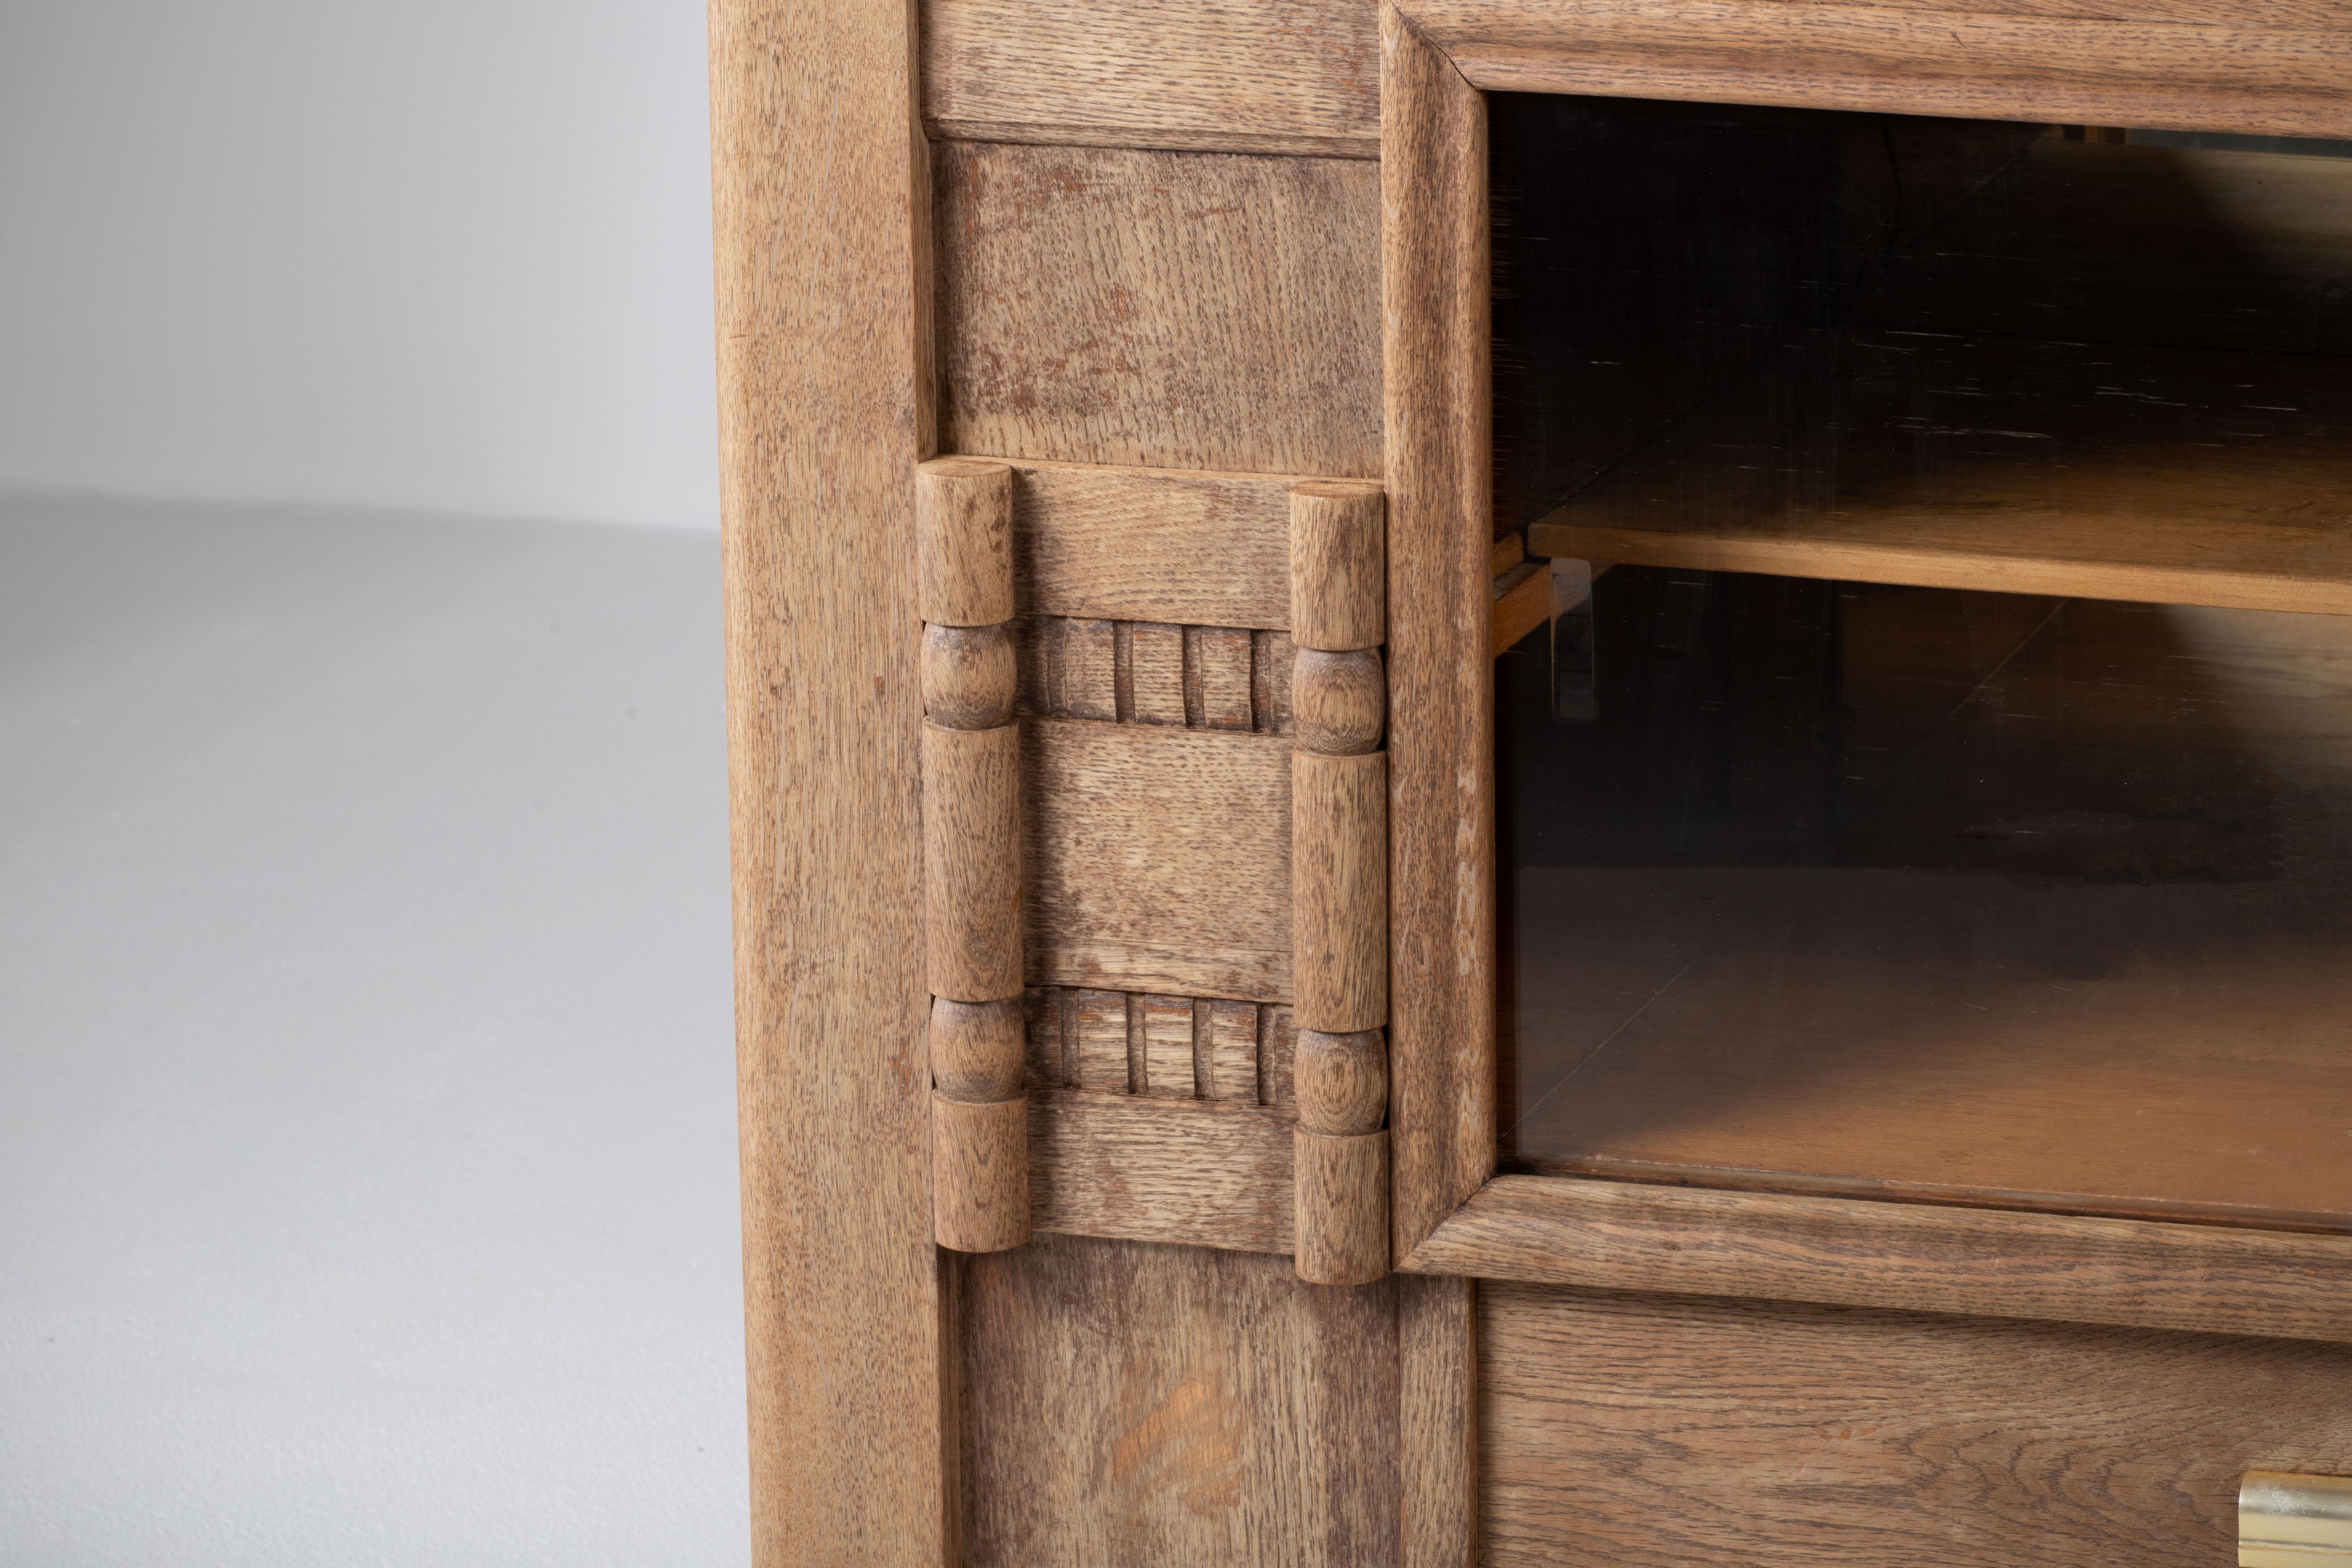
<point>1301,77</point>
<point>1125,1403</point>
<point>1204,1172</point>
<point>1166,310</point>
<point>1159,859</point>
<point>1661,1430</point>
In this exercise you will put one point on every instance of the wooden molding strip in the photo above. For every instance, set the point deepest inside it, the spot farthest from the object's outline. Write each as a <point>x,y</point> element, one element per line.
<point>972,854</point>
<point>1202,1172</point>
<point>1339,894</point>
<point>1298,78</point>
<point>1915,1257</point>
<point>2268,80</point>
<point>1436,323</point>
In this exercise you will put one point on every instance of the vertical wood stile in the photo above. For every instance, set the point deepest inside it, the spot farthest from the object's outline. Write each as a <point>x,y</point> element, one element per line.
<point>1339,881</point>
<point>971,855</point>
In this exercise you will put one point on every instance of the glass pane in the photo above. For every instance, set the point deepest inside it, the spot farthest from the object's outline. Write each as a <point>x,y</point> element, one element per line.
<point>1857,870</point>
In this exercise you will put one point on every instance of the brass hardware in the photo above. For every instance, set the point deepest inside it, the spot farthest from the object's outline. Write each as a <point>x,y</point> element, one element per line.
<point>2295,1522</point>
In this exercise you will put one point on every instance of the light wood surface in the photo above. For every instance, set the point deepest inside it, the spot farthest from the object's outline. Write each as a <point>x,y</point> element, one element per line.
<point>1203,1172</point>
<point>977,1049</point>
<point>979,1174</point>
<point>1165,309</point>
<point>1339,890</point>
<point>821,251</point>
<point>1338,700</point>
<point>2176,477</point>
<point>1202,678</point>
<point>1152,544</point>
<point>1159,859</point>
<point>969,676</point>
<point>1238,1051</point>
<point>1915,1257</point>
<point>1339,592</point>
<point>1132,1403</point>
<point>972,862</point>
<point>1303,76</point>
<point>1658,1429</point>
<point>1437,1421</point>
<point>1341,1082</point>
<point>1523,599</point>
<point>2288,80</point>
<point>1342,1235</point>
<point>1435,283</point>
<point>963,541</point>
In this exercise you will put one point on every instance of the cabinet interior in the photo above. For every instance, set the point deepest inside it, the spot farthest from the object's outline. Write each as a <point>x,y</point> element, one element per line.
<point>1960,800</point>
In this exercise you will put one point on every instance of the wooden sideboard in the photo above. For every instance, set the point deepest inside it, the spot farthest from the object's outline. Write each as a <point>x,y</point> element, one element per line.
<point>1112,407</point>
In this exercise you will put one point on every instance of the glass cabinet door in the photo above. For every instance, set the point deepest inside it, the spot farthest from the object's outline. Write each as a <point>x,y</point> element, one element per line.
<point>1936,779</point>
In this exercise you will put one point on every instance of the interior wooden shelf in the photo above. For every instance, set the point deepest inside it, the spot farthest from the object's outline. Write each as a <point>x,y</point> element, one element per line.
<point>2179,475</point>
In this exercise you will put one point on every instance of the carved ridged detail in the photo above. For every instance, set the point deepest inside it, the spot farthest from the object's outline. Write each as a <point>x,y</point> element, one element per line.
<point>1160,1048</point>
<point>1339,881</point>
<point>1144,672</point>
<point>972,854</point>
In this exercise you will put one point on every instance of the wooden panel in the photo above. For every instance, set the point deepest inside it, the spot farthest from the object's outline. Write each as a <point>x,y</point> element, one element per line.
<point>1919,1257</point>
<point>1434,249</point>
<point>1206,1172</point>
<point>1131,1404</point>
<point>1167,309</point>
<point>1658,1430</point>
<point>1098,1029</point>
<point>2283,81</point>
<point>1302,77</point>
<point>1438,1421</point>
<point>1152,544</point>
<point>1167,1046</point>
<point>1159,859</point>
<point>824,412</point>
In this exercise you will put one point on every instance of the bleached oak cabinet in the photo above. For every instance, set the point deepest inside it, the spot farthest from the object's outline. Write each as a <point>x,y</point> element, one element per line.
<point>1540,781</point>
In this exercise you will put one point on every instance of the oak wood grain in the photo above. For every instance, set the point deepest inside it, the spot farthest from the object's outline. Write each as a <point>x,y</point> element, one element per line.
<point>972,862</point>
<point>963,541</point>
<point>822,256</point>
<point>1340,1082</point>
<point>1164,310</point>
<point>969,676</point>
<point>1341,1199</point>
<point>1159,859</point>
<point>1105,542</point>
<point>1437,1421</point>
<point>1339,540</point>
<point>1298,78</point>
<point>1667,1430</point>
<point>977,1049</point>
<point>1204,1172</point>
<point>1136,1404</point>
<point>979,1174</point>
<point>1916,1256</point>
<point>1230,1050</point>
<point>1217,677</point>
<point>1436,350</point>
<point>1338,892</point>
<point>1522,601</point>
<point>1339,702</point>
<point>2288,80</point>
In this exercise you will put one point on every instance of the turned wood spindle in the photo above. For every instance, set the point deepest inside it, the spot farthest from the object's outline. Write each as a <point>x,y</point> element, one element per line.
<point>1340,880</point>
<point>972,854</point>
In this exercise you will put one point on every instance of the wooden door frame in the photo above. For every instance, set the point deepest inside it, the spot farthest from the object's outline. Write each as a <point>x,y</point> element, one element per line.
<point>821,217</point>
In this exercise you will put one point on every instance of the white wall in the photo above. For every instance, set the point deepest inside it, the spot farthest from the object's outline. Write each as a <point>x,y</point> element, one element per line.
<point>444,255</point>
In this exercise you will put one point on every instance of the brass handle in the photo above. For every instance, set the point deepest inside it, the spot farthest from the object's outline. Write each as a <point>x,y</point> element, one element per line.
<point>2295,1522</point>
